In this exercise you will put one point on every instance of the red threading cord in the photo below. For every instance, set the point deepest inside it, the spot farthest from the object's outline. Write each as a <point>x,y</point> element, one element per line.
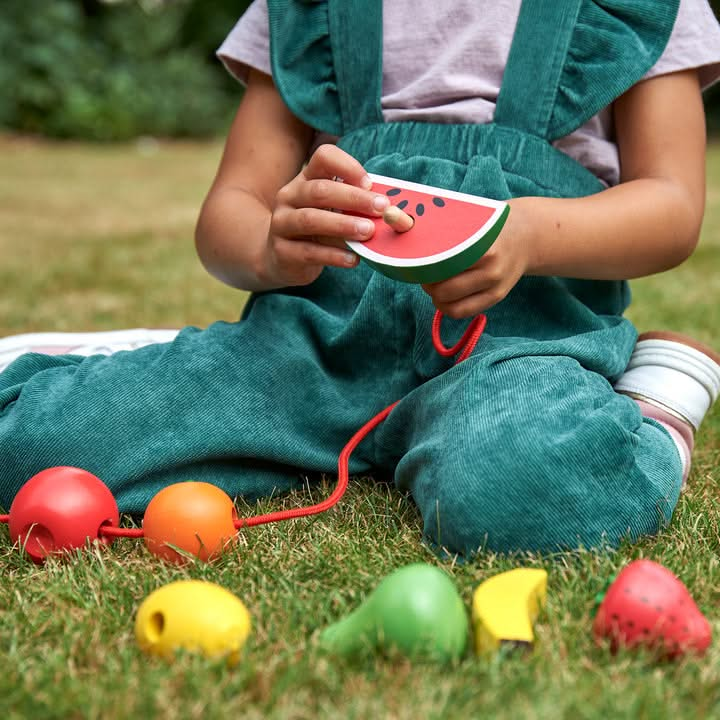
<point>112,531</point>
<point>466,343</point>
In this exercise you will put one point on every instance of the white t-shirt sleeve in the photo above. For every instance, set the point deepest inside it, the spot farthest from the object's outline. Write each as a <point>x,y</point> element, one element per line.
<point>248,44</point>
<point>694,43</point>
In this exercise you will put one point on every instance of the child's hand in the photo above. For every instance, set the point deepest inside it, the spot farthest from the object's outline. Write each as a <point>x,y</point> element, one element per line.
<point>306,233</point>
<point>491,278</point>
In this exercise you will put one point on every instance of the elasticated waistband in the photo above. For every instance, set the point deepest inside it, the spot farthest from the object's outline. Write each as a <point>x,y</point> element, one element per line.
<point>524,159</point>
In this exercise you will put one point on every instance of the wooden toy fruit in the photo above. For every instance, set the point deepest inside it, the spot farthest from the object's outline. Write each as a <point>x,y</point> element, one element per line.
<point>192,615</point>
<point>648,606</point>
<point>195,517</point>
<point>416,610</point>
<point>505,607</point>
<point>60,509</point>
<point>451,231</point>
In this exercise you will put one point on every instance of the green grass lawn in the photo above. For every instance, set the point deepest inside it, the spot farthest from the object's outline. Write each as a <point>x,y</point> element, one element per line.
<point>96,237</point>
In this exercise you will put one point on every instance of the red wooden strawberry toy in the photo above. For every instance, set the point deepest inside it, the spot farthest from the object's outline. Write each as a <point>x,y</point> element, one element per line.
<point>648,606</point>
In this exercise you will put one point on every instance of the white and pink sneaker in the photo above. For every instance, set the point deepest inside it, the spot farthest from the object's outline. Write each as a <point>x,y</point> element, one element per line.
<point>675,380</point>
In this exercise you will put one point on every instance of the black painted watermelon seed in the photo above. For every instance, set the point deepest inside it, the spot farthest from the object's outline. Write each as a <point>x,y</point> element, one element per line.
<point>393,191</point>
<point>402,204</point>
<point>643,599</point>
<point>419,208</point>
<point>439,202</point>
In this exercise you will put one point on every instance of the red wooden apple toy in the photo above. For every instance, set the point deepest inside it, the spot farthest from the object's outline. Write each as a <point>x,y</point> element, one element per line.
<point>648,606</point>
<point>60,509</point>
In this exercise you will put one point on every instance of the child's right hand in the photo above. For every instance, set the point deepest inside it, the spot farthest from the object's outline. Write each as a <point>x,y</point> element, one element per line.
<point>306,230</point>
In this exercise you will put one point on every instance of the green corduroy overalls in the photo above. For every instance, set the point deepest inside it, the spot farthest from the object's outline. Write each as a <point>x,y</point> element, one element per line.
<point>523,446</point>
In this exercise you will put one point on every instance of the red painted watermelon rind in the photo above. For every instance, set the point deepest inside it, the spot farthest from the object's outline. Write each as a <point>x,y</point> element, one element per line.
<point>444,265</point>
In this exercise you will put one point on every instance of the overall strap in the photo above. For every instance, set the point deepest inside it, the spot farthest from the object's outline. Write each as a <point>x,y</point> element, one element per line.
<point>537,57</point>
<point>357,45</point>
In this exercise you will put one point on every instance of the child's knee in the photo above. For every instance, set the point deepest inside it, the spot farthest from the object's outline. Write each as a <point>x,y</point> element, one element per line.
<point>471,509</point>
<point>541,497</point>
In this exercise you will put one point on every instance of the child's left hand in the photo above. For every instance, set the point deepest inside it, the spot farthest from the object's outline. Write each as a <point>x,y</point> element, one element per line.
<point>491,278</point>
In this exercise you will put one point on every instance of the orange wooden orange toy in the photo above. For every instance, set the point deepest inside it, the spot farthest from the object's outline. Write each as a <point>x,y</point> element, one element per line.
<point>193,516</point>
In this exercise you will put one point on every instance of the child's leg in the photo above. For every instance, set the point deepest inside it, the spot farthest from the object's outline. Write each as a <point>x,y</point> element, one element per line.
<point>675,380</point>
<point>241,405</point>
<point>530,453</point>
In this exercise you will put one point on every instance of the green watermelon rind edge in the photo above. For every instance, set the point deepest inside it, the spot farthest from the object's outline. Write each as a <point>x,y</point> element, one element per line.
<point>448,267</point>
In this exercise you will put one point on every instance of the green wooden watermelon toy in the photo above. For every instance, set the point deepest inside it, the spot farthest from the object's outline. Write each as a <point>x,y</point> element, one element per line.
<point>452,231</point>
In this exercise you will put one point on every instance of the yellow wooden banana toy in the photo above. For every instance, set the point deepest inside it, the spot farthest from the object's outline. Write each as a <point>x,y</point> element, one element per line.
<point>505,607</point>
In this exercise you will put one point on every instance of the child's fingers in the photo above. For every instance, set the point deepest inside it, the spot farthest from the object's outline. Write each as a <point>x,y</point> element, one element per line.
<point>310,221</point>
<point>323,193</point>
<point>458,287</point>
<point>469,292</point>
<point>329,162</point>
<point>471,305</point>
<point>302,253</point>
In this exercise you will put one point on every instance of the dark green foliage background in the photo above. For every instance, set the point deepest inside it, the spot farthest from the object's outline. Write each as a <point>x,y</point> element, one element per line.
<point>99,71</point>
<point>115,70</point>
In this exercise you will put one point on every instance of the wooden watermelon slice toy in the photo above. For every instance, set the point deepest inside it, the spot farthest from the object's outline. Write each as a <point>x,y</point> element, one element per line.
<point>451,231</point>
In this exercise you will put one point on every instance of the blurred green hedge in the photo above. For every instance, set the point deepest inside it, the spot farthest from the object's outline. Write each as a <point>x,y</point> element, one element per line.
<point>116,69</point>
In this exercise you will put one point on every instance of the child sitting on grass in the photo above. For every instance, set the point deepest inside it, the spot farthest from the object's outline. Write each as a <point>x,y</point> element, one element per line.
<point>561,429</point>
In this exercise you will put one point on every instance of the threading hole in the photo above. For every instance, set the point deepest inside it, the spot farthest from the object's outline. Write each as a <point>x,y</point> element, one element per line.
<point>155,626</point>
<point>105,539</point>
<point>37,541</point>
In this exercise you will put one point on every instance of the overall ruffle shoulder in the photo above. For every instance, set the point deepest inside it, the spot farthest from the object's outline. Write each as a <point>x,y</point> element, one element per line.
<point>302,63</point>
<point>613,44</point>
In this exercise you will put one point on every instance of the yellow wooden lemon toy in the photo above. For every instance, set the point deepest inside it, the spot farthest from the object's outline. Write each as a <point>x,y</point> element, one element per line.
<point>193,615</point>
<point>505,607</point>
